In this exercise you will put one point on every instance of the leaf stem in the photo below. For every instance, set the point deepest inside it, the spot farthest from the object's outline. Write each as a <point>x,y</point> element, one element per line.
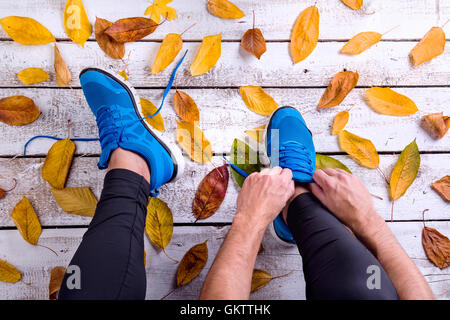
<point>384,176</point>
<point>283,275</point>
<point>392,211</point>
<point>170,292</point>
<point>13,187</point>
<point>40,245</point>
<point>445,23</point>
<point>423,216</point>
<point>176,261</point>
<point>68,129</point>
<point>253,19</point>
<point>391,29</point>
<point>188,29</point>
<point>378,197</point>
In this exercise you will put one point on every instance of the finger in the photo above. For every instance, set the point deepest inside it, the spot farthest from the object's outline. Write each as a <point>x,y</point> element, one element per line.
<point>330,171</point>
<point>265,171</point>
<point>272,171</point>
<point>317,191</point>
<point>320,177</point>
<point>342,171</point>
<point>286,174</point>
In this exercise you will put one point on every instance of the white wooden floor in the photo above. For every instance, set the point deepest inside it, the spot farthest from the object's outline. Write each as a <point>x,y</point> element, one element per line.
<point>223,116</point>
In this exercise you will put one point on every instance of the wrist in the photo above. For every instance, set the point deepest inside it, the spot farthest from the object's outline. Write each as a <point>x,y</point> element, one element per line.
<point>249,222</point>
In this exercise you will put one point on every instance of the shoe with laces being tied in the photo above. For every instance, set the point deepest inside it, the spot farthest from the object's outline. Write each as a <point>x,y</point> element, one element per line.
<point>289,145</point>
<point>118,112</point>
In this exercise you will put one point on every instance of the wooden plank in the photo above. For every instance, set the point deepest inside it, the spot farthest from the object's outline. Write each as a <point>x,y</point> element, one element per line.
<point>224,117</point>
<point>275,19</point>
<point>180,195</point>
<point>385,64</point>
<point>36,262</point>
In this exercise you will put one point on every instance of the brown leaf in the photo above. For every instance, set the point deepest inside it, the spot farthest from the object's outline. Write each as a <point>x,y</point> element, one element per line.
<point>443,188</point>
<point>131,29</point>
<point>3,192</point>
<point>26,221</point>
<point>185,107</point>
<point>253,42</point>
<point>18,110</point>
<point>436,124</point>
<point>62,73</point>
<point>112,48</point>
<point>192,264</point>
<point>339,87</point>
<point>436,246</point>
<point>210,193</point>
<point>259,279</point>
<point>56,278</point>
<point>431,46</point>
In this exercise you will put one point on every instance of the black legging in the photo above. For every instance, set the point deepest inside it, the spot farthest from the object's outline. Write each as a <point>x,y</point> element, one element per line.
<point>111,254</point>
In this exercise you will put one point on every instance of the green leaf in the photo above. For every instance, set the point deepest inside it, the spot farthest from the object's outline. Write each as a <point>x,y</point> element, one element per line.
<point>323,162</point>
<point>245,158</point>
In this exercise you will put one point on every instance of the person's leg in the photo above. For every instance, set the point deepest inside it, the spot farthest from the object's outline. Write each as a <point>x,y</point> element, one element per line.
<point>335,263</point>
<point>111,254</point>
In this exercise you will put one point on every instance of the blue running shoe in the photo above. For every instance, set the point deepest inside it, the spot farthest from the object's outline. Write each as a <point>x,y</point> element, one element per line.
<point>118,112</point>
<point>289,144</point>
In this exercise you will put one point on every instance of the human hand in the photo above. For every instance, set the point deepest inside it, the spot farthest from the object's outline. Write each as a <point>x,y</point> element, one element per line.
<point>264,195</point>
<point>347,198</point>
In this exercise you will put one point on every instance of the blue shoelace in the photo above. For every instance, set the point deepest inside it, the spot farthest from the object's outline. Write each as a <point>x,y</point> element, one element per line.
<point>295,156</point>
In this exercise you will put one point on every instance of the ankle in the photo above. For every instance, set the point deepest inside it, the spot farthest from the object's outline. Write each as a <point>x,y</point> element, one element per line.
<point>124,159</point>
<point>299,189</point>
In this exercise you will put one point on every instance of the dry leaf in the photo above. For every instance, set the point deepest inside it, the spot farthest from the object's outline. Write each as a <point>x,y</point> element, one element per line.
<point>436,246</point>
<point>131,29</point>
<point>431,46</point>
<point>361,150</point>
<point>340,121</point>
<point>323,162</point>
<point>185,107</point>
<point>244,157</point>
<point>26,30</point>
<point>159,223</point>
<point>111,47</point>
<point>257,133</point>
<point>257,100</point>
<point>192,264</point>
<point>26,221</point>
<point>353,4</point>
<point>56,278</point>
<point>193,141</point>
<point>210,193</point>
<point>253,42</point>
<point>208,55</point>
<point>9,273</point>
<point>62,73</point>
<point>339,87</point>
<point>58,162</point>
<point>79,201</point>
<point>361,42</point>
<point>259,279</point>
<point>76,22</point>
<point>159,8</point>
<point>170,47</point>
<point>123,74</point>
<point>148,108</point>
<point>32,75</point>
<point>405,170</point>
<point>18,110</point>
<point>442,187</point>
<point>436,124</point>
<point>387,101</point>
<point>305,34</point>
<point>224,9</point>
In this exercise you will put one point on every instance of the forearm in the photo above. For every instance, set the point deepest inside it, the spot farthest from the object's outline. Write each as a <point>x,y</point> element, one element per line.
<point>404,274</point>
<point>231,273</point>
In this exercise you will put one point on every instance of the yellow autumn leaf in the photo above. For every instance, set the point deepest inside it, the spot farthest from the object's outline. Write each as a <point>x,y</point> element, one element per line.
<point>80,201</point>
<point>361,42</point>
<point>361,150</point>
<point>405,170</point>
<point>148,108</point>
<point>123,74</point>
<point>257,133</point>
<point>26,30</point>
<point>76,22</point>
<point>224,9</point>
<point>259,279</point>
<point>62,73</point>
<point>159,8</point>
<point>340,121</point>
<point>305,34</point>
<point>208,55</point>
<point>431,46</point>
<point>170,47</point>
<point>58,162</point>
<point>26,221</point>
<point>257,100</point>
<point>32,75</point>
<point>353,4</point>
<point>9,273</point>
<point>193,141</point>
<point>159,223</point>
<point>387,101</point>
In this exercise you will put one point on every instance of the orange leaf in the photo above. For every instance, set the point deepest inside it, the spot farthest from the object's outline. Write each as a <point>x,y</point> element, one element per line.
<point>340,121</point>
<point>361,150</point>
<point>387,101</point>
<point>305,34</point>
<point>257,100</point>
<point>56,278</point>
<point>436,124</point>
<point>253,42</point>
<point>224,9</point>
<point>112,48</point>
<point>168,51</point>
<point>339,87</point>
<point>442,187</point>
<point>193,141</point>
<point>185,107</point>
<point>436,246</point>
<point>131,29</point>
<point>18,110</point>
<point>208,55</point>
<point>361,42</point>
<point>431,46</point>
<point>62,73</point>
<point>353,4</point>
